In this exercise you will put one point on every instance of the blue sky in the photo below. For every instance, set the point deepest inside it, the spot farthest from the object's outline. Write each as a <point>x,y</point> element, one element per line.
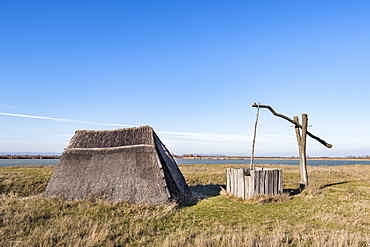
<point>189,69</point>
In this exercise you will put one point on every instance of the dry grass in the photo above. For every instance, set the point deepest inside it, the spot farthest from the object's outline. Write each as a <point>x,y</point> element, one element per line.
<point>333,211</point>
<point>35,221</point>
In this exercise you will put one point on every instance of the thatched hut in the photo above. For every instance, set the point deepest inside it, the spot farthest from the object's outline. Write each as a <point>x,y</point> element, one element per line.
<point>118,165</point>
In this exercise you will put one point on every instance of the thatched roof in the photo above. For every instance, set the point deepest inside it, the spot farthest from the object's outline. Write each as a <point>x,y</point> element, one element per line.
<point>112,138</point>
<point>125,164</point>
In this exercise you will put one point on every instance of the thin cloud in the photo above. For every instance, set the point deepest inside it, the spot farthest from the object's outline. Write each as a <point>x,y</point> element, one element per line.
<point>32,142</point>
<point>170,135</point>
<point>61,119</point>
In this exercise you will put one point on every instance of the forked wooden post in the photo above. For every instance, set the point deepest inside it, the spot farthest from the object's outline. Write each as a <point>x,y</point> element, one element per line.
<point>301,140</point>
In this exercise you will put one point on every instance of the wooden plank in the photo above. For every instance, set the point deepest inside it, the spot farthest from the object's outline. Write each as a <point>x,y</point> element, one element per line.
<point>268,182</point>
<point>276,181</point>
<point>232,182</point>
<point>256,182</point>
<point>246,187</point>
<point>252,184</point>
<point>235,183</point>
<point>280,181</point>
<point>244,172</point>
<point>272,184</point>
<point>228,180</point>
<point>262,181</point>
<point>236,179</point>
<point>273,180</point>
<point>240,182</point>
<point>265,182</point>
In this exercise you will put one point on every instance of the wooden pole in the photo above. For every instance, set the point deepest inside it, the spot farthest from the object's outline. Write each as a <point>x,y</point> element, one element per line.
<point>297,132</point>
<point>254,138</point>
<point>303,164</point>
<point>301,140</point>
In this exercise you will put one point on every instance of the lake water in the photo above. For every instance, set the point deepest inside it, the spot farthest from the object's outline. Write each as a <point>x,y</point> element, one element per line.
<point>28,162</point>
<point>53,162</point>
<point>272,162</point>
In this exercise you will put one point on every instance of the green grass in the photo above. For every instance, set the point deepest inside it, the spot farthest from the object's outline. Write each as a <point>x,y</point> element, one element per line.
<point>333,211</point>
<point>24,181</point>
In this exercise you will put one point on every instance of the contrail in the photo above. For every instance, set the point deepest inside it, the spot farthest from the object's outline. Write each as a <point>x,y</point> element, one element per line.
<point>180,135</point>
<point>61,119</point>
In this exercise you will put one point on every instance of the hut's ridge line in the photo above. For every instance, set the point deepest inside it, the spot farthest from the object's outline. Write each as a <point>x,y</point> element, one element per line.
<point>112,148</point>
<point>145,127</point>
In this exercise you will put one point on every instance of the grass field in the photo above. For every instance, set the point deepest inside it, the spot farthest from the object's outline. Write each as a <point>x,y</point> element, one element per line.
<point>333,211</point>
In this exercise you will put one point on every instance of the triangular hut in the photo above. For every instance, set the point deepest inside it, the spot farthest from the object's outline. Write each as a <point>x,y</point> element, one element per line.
<point>118,165</point>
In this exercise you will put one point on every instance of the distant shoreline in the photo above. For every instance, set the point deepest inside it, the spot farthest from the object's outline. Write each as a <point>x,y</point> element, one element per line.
<point>269,158</point>
<point>192,157</point>
<point>29,156</point>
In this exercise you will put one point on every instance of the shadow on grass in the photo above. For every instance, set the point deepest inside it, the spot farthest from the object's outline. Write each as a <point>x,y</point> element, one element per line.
<point>200,192</point>
<point>328,185</point>
<point>209,190</point>
<point>292,192</point>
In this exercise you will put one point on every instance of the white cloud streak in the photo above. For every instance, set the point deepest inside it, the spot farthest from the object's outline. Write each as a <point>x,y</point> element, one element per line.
<point>61,119</point>
<point>33,142</point>
<point>170,136</point>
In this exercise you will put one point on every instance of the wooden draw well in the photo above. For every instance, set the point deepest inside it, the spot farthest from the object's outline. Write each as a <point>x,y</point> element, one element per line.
<point>246,183</point>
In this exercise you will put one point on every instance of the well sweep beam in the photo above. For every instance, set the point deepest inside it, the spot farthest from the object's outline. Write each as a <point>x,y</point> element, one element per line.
<point>328,145</point>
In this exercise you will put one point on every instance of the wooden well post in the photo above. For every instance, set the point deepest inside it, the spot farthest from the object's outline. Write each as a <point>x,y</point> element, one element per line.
<point>301,134</point>
<point>301,140</point>
<point>245,183</point>
<point>248,182</point>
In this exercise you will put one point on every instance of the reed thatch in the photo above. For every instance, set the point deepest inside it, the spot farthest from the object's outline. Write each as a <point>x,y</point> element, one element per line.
<point>118,165</point>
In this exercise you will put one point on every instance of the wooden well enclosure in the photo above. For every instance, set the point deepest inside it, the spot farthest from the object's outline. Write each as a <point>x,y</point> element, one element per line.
<point>246,183</point>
